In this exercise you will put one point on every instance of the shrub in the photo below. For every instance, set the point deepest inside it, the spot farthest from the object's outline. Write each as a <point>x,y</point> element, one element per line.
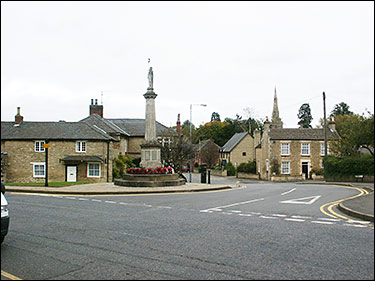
<point>231,170</point>
<point>119,165</point>
<point>249,168</point>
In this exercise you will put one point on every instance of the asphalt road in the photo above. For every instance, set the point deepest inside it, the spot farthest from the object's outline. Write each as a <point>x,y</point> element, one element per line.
<point>259,231</point>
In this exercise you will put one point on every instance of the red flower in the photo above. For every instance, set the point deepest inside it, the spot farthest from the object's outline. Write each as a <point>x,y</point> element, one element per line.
<point>149,171</point>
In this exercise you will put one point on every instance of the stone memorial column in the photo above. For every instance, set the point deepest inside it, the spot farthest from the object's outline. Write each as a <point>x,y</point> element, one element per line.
<point>150,148</point>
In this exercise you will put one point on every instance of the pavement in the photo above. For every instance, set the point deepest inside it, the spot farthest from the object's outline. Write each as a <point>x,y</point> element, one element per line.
<point>360,207</point>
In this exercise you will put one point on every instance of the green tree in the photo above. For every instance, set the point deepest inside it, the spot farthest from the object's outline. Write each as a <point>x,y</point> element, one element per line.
<point>356,131</point>
<point>215,116</point>
<point>120,164</point>
<point>209,153</point>
<point>341,109</point>
<point>304,114</point>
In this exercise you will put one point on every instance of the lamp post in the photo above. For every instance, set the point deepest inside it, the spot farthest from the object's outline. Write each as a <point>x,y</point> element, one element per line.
<point>191,117</point>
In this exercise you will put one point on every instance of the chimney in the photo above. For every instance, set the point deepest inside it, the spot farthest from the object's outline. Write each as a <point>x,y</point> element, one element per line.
<point>18,117</point>
<point>178,124</point>
<point>256,137</point>
<point>332,123</point>
<point>95,108</point>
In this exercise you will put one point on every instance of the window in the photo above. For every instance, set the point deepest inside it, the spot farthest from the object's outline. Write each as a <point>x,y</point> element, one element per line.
<point>322,149</point>
<point>93,170</point>
<point>285,167</point>
<point>39,170</point>
<point>243,153</point>
<point>285,149</point>
<point>305,149</point>
<point>39,146</point>
<point>80,146</point>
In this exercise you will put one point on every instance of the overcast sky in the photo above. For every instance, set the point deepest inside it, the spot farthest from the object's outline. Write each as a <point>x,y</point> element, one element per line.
<point>57,56</point>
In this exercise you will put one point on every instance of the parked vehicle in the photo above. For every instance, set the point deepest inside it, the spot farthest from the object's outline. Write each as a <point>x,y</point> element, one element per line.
<point>4,217</point>
<point>2,188</point>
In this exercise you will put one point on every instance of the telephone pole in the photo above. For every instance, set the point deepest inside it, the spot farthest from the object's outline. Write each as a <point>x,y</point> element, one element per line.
<point>325,124</point>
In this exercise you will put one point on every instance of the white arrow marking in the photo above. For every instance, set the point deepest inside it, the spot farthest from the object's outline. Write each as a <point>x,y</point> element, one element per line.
<point>310,199</point>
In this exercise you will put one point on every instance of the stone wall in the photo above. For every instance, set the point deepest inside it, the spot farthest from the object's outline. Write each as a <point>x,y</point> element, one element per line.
<point>22,155</point>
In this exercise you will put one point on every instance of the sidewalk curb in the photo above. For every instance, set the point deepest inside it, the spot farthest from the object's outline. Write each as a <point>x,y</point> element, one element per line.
<point>125,192</point>
<point>353,213</point>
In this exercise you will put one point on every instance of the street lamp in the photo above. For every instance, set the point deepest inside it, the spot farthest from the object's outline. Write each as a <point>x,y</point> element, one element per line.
<point>191,117</point>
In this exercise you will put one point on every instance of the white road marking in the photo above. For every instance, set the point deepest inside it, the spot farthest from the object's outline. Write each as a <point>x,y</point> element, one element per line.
<point>323,222</point>
<point>302,200</point>
<point>70,198</point>
<point>110,202</point>
<point>327,219</point>
<point>265,217</point>
<point>361,222</point>
<point>298,220</point>
<point>288,191</point>
<point>96,200</point>
<point>235,204</point>
<point>355,225</point>
<point>301,217</point>
<point>83,199</point>
<point>245,215</point>
<point>235,211</point>
<point>164,207</point>
<point>279,215</point>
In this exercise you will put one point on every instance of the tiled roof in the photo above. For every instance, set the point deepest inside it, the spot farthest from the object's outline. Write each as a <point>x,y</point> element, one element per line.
<point>301,134</point>
<point>230,144</point>
<point>51,130</point>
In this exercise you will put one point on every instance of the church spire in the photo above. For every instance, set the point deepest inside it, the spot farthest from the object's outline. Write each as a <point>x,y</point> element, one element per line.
<point>276,120</point>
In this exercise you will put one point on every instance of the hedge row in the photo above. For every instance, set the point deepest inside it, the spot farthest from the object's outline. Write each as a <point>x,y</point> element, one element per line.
<point>249,167</point>
<point>348,166</point>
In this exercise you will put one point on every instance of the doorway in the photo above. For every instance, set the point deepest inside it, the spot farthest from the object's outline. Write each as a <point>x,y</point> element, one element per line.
<point>305,169</point>
<point>71,173</point>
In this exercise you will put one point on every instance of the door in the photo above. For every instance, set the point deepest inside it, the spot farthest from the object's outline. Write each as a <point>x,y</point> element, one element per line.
<point>305,169</point>
<point>71,174</point>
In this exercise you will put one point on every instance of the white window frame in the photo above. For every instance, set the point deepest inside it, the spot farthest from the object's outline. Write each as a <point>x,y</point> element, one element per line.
<point>283,149</point>
<point>285,170</point>
<point>322,149</point>
<point>308,148</point>
<point>81,146</point>
<point>88,170</point>
<point>39,146</point>
<point>36,164</point>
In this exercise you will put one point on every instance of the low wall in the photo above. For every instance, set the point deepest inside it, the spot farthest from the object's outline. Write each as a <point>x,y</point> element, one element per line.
<point>219,173</point>
<point>287,178</point>
<point>153,180</point>
<point>366,178</point>
<point>247,176</point>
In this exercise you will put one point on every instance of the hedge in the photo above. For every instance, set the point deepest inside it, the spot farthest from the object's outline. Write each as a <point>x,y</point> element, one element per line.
<point>249,168</point>
<point>348,166</point>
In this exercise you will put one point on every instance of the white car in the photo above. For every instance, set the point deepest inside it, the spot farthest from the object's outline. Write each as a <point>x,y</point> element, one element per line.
<point>4,217</point>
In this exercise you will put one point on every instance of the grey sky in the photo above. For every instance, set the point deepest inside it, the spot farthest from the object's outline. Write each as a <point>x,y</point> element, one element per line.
<point>57,56</point>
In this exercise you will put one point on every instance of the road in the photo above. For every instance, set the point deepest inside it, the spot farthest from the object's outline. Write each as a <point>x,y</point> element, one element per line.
<point>260,230</point>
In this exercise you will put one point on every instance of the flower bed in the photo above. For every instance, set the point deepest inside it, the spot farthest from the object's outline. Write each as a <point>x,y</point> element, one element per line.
<point>150,171</point>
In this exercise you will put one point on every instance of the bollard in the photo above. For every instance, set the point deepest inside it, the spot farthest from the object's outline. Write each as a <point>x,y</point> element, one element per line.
<point>209,176</point>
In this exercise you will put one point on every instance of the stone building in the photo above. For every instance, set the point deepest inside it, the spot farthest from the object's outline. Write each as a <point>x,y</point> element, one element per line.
<point>285,154</point>
<point>78,151</point>
<point>240,148</point>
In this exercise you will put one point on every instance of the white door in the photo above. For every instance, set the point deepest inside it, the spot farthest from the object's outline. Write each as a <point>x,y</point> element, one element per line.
<point>72,174</point>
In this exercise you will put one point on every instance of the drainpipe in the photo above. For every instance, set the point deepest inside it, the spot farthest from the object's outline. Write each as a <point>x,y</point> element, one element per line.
<point>108,161</point>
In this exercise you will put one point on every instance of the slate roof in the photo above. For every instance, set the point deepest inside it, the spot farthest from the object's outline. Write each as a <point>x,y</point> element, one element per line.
<point>233,141</point>
<point>301,134</point>
<point>137,127</point>
<point>104,124</point>
<point>82,158</point>
<point>51,130</point>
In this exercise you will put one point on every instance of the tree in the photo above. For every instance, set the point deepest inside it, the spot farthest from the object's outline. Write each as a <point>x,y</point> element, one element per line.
<point>209,153</point>
<point>356,131</point>
<point>215,117</point>
<point>341,109</point>
<point>304,114</point>
<point>178,153</point>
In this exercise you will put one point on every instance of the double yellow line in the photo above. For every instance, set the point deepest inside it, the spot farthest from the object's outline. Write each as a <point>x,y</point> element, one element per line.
<point>327,208</point>
<point>9,276</point>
